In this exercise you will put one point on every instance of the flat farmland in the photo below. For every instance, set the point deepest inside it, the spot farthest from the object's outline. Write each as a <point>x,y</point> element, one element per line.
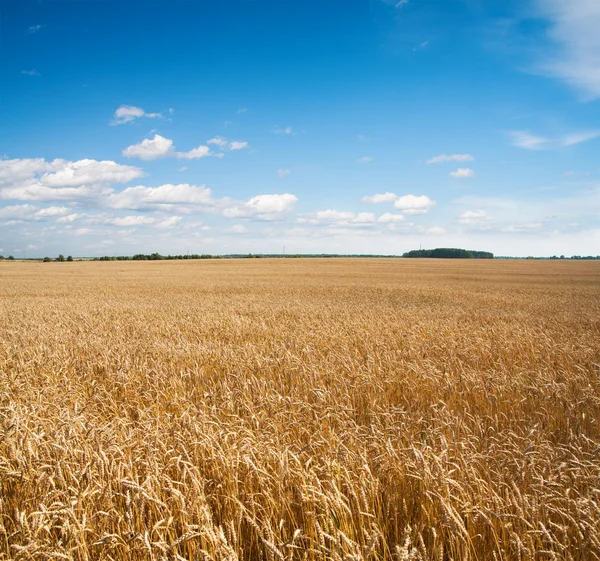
<point>339,409</point>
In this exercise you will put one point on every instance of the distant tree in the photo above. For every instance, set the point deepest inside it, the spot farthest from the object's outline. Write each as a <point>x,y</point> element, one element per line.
<point>61,258</point>
<point>450,253</point>
<point>11,258</point>
<point>47,260</point>
<point>70,258</point>
<point>1,257</point>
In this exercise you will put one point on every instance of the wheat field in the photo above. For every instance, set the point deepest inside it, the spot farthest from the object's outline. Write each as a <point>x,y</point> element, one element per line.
<point>334,409</point>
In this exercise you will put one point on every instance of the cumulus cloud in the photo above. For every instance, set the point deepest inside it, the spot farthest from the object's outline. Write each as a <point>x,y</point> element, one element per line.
<point>150,149</point>
<point>68,218</point>
<point>129,221</point>
<point>263,207</point>
<point>52,211</point>
<point>128,113</point>
<point>413,204</point>
<point>407,204</point>
<point>380,198</point>
<point>163,197</point>
<point>35,179</point>
<point>462,173</point>
<point>161,147</point>
<point>442,158</point>
<point>388,218</point>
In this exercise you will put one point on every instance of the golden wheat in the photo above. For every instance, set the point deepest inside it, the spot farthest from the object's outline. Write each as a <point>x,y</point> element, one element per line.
<point>300,409</point>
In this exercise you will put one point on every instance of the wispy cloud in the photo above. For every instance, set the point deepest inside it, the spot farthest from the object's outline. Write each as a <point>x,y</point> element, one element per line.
<point>34,28</point>
<point>529,141</point>
<point>365,160</point>
<point>283,172</point>
<point>443,158</point>
<point>283,130</point>
<point>224,144</point>
<point>32,72</point>
<point>573,29</point>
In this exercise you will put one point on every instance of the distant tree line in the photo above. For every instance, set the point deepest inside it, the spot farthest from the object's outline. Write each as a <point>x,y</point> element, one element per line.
<point>449,253</point>
<point>155,257</point>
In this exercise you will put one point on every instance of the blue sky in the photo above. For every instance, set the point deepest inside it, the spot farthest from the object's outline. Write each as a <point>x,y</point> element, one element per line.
<point>355,126</point>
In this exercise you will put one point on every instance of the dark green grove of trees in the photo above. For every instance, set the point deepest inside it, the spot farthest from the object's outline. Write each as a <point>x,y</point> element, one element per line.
<point>154,257</point>
<point>450,253</point>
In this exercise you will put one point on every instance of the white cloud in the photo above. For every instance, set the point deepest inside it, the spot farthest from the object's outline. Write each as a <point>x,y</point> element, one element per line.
<point>195,154</point>
<point>40,180</point>
<point>285,130</point>
<point>161,147</point>
<point>32,72</point>
<point>442,158</point>
<point>238,145</point>
<point>128,113</point>
<point>579,137</point>
<point>30,213</point>
<point>573,28</point>
<point>69,218</point>
<point>35,28</point>
<point>524,139</point>
<point>129,221</point>
<point>52,211</point>
<point>224,144</point>
<point>365,160</point>
<point>263,207</point>
<point>338,218</point>
<point>170,222</point>
<point>283,172</point>
<point>83,231</point>
<point>476,218</point>
<point>462,173</point>
<point>388,218</point>
<point>412,204</point>
<point>182,168</point>
<point>241,110</point>
<point>380,198</point>
<point>162,197</point>
<point>219,141</point>
<point>158,147</point>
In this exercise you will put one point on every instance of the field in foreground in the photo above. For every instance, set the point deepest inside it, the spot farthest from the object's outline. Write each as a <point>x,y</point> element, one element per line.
<point>300,409</point>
